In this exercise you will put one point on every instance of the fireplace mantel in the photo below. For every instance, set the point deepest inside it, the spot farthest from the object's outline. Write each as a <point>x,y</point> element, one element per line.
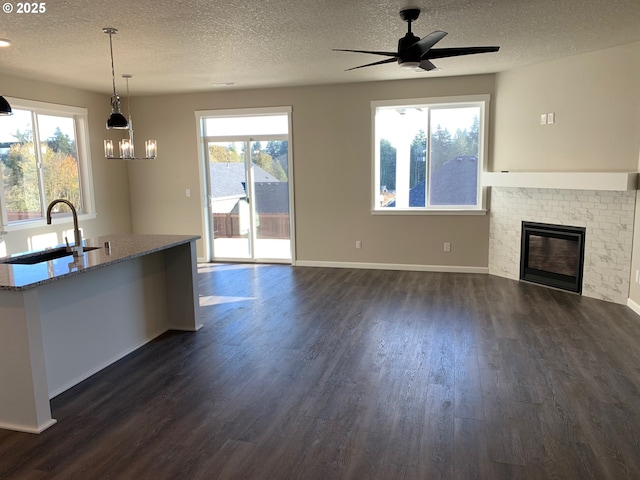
<point>608,181</point>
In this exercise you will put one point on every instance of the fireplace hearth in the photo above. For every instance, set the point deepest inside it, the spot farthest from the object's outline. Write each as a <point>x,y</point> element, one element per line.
<point>552,255</point>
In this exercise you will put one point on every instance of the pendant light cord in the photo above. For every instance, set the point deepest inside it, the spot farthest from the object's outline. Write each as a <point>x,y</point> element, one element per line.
<point>126,77</point>
<point>113,72</point>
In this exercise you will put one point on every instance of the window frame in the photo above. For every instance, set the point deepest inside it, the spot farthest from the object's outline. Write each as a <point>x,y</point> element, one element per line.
<point>80,116</point>
<point>483,102</point>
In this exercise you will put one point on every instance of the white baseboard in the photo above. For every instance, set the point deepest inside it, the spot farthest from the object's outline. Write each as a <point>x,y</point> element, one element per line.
<point>394,266</point>
<point>21,428</point>
<point>633,306</point>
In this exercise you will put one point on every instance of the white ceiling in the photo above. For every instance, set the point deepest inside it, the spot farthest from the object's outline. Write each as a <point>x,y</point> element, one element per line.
<point>191,45</point>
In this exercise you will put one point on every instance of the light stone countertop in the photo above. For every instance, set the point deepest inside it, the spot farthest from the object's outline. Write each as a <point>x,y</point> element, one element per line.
<point>123,247</point>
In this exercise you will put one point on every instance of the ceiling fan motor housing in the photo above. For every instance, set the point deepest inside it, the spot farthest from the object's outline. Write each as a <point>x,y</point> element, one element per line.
<point>406,54</point>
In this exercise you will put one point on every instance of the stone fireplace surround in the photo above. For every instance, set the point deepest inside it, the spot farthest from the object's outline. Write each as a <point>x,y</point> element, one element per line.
<point>605,209</point>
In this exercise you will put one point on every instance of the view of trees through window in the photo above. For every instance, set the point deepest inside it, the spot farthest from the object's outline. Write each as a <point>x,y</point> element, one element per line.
<point>36,172</point>
<point>420,169</point>
<point>272,157</point>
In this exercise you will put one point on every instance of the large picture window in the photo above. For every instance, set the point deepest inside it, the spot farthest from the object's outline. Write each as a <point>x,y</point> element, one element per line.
<point>43,157</point>
<point>429,154</point>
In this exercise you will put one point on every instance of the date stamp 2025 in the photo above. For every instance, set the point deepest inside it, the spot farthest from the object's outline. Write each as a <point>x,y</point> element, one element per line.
<point>24,7</point>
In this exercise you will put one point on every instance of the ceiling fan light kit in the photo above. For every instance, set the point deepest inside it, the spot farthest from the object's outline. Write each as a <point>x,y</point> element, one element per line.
<point>417,53</point>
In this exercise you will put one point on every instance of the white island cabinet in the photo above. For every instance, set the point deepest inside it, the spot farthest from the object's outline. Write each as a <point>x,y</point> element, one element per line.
<point>63,320</point>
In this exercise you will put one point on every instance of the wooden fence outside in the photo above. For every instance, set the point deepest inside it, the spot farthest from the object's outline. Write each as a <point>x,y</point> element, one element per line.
<point>270,225</point>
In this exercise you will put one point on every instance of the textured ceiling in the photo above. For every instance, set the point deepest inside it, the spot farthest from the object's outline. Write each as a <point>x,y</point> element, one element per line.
<point>192,45</point>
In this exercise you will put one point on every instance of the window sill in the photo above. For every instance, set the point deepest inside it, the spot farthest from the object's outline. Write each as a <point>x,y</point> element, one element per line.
<point>396,211</point>
<point>41,222</point>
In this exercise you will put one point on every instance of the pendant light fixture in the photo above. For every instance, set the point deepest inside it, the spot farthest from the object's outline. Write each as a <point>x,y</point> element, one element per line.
<point>126,144</point>
<point>5,108</point>
<point>116,119</point>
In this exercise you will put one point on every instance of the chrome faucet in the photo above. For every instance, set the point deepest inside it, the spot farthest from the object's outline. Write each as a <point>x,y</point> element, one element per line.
<point>77,247</point>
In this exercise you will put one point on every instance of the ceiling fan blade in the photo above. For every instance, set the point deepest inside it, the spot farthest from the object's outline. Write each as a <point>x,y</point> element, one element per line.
<point>456,52</point>
<point>427,65</point>
<point>388,60</point>
<point>387,54</point>
<point>426,43</point>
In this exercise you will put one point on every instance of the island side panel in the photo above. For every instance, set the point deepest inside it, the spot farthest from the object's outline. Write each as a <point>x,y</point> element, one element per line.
<point>183,303</point>
<point>91,320</point>
<point>24,399</point>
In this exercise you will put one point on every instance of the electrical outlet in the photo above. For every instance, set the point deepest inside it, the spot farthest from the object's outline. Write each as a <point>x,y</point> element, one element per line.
<point>551,118</point>
<point>358,243</point>
<point>188,192</point>
<point>447,246</point>
<point>543,119</point>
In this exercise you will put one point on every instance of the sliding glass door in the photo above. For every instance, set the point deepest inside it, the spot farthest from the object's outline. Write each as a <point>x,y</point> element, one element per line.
<point>249,191</point>
<point>229,200</point>
<point>270,208</point>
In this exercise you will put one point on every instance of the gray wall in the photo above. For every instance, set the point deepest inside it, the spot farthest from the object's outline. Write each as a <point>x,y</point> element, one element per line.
<point>332,164</point>
<point>596,99</point>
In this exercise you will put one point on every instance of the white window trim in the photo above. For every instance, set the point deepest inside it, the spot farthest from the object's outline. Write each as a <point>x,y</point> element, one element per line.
<point>485,100</point>
<point>81,118</point>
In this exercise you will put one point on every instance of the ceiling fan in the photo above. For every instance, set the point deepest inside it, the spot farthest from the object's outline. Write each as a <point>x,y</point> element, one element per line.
<point>415,52</point>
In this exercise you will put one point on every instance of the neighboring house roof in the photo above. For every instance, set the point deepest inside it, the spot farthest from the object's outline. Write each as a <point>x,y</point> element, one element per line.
<point>455,183</point>
<point>272,197</point>
<point>228,178</point>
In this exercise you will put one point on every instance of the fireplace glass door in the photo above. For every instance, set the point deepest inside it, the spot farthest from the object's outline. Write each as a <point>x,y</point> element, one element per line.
<point>552,255</point>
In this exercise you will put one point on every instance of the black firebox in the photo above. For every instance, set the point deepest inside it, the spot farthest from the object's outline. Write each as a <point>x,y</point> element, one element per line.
<point>552,255</point>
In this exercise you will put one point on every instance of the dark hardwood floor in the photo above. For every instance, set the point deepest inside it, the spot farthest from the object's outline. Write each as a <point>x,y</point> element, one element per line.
<point>314,373</point>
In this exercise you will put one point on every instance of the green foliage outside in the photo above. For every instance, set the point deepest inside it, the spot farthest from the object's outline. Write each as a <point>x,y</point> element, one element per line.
<point>221,154</point>
<point>279,151</point>
<point>22,180</point>
<point>418,159</point>
<point>444,147</point>
<point>265,161</point>
<point>387,165</point>
<point>259,156</point>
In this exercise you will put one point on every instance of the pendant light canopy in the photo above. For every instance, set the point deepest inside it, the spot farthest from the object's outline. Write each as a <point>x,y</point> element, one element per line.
<point>116,120</point>
<point>5,108</point>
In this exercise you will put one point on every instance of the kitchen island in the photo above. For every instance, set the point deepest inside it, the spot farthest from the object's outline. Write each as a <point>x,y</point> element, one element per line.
<point>65,319</point>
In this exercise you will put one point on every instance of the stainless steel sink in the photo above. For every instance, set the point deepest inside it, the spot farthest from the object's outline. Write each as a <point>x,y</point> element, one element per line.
<point>33,258</point>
